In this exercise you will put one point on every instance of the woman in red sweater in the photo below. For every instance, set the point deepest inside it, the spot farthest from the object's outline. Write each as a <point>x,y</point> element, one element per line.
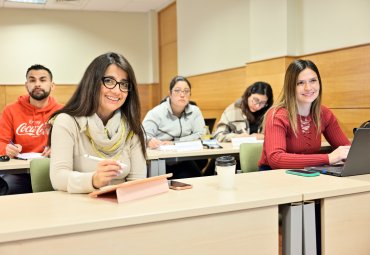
<point>293,127</point>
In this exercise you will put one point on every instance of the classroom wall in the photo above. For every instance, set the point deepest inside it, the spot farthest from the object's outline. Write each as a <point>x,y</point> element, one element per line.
<point>215,35</point>
<point>344,69</point>
<point>212,35</point>
<point>67,41</point>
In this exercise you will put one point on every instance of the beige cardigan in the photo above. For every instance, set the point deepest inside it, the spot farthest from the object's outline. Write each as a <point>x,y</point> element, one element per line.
<point>70,171</point>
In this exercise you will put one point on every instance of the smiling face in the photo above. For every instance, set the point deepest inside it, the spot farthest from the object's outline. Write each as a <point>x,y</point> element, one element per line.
<point>111,99</point>
<point>307,88</point>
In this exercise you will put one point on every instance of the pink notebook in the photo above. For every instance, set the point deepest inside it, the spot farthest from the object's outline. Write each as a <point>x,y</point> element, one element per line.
<point>132,190</point>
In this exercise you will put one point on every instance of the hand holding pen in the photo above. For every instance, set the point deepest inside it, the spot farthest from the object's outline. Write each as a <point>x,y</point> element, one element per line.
<point>107,170</point>
<point>12,149</point>
<point>46,152</point>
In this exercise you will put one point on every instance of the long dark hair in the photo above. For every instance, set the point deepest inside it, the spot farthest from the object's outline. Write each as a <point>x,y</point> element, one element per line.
<point>85,100</point>
<point>262,88</point>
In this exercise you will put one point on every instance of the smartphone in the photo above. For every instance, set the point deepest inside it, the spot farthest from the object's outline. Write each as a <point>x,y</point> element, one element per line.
<point>301,172</point>
<point>176,185</point>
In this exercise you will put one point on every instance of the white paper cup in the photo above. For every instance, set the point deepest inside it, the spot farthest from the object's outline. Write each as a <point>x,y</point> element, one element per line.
<point>225,168</point>
<point>226,176</point>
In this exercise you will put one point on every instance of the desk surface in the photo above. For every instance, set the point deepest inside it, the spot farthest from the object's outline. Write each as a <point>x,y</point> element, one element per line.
<point>56,213</point>
<point>14,164</point>
<point>227,148</point>
<point>311,188</point>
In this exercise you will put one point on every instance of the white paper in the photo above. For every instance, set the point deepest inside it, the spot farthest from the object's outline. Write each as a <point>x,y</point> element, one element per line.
<point>30,155</point>
<point>210,142</point>
<point>189,146</point>
<point>167,148</point>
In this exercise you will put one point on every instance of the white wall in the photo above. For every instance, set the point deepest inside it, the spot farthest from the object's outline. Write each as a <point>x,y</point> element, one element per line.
<point>268,29</point>
<point>67,41</point>
<point>214,35</point>
<point>332,24</point>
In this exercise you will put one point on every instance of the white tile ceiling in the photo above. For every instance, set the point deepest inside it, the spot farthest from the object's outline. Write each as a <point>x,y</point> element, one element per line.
<point>94,5</point>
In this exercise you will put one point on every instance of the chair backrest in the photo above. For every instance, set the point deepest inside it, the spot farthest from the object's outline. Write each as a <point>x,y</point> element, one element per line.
<point>210,122</point>
<point>40,176</point>
<point>249,155</point>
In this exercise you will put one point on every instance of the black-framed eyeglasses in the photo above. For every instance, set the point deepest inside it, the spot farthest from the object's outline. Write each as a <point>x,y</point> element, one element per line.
<point>178,92</point>
<point>111,83</point>
<point>256,101</point>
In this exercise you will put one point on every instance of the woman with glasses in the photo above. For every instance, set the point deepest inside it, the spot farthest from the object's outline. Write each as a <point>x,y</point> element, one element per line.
<point>175,119</point>
<point>97,138</point>
<point>293,127</point>
<point>244,117</point>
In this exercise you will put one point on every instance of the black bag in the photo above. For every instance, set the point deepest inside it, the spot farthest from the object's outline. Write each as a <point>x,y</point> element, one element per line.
<point>366,124</point>
<point>3,187</point>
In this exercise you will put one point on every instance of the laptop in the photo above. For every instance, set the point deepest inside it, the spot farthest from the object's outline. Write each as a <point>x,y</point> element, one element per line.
<point>358,159</point>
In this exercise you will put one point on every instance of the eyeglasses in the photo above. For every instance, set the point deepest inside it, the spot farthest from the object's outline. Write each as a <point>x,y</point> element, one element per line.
<point>111,83</point>
<point>256,101</point>
<point>177,92</point>
<point>311,82</point>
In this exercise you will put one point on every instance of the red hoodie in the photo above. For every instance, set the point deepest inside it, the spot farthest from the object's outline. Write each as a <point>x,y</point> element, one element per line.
<point>25,124</point>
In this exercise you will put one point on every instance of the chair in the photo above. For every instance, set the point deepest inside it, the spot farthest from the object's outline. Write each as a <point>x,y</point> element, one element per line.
<point>249,155</point>
<point>210,122</point>
<point>40,177</point>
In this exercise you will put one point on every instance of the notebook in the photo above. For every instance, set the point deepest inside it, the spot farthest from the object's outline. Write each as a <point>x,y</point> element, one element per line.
<point>358,159</point>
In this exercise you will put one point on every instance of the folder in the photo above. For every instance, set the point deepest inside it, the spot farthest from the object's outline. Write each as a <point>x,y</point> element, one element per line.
<point>292,229</point>
<point>132,190</point>
<point>309,228</point>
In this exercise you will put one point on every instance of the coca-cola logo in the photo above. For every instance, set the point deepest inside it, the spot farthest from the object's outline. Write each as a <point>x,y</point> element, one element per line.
<point>33,128</point>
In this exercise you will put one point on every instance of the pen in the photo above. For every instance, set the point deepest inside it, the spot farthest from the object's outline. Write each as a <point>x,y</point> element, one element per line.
<point>12,143</point>
<point>93,157</point>
<point>122,165</point>
<point>20,158</point>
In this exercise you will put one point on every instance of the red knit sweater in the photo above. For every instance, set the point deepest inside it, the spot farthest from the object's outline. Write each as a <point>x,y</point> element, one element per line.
<point>282,149</point>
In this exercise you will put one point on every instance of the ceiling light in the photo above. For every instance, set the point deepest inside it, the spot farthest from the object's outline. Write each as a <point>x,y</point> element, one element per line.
<point>28,1</point>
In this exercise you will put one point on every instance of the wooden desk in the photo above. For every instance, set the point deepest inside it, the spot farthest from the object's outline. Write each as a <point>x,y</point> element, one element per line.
<point>15,166</point>
<point>157,159</point>
<point>345,207</point>
<point>242,221</point>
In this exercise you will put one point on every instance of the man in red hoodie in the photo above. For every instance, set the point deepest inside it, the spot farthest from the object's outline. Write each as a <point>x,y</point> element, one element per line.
<point>23,124</point>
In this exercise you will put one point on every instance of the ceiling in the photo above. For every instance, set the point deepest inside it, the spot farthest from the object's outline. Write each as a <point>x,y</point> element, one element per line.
<point>94,5</point>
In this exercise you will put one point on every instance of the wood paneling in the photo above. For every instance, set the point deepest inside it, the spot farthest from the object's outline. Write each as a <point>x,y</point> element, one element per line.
<point>351,118</point>
<point>2,98</point>
<point>63,93</point>
<point>148,94</point>
<point>169,60</point>
<point>11,93</point>
<point>271,71</point>
<point>215,91</point>
<point>167,25</point>
<point>149,97</point>
<point>345,75</point>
